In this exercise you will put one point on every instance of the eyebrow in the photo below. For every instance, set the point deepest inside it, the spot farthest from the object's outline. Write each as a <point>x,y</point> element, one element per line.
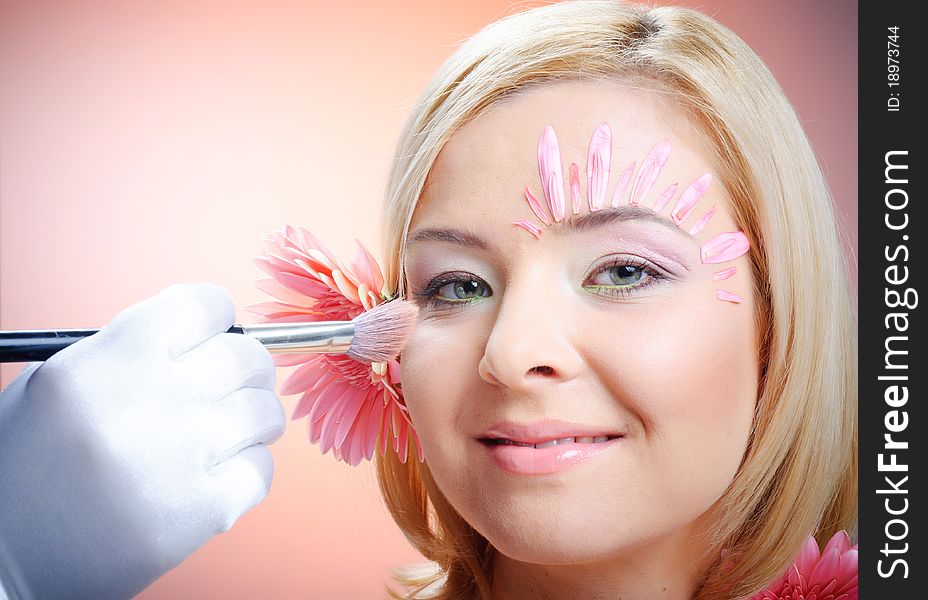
<point>585,222</point>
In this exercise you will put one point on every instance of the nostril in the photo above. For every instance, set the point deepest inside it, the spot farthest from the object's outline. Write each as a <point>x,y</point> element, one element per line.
<point>542,370</point>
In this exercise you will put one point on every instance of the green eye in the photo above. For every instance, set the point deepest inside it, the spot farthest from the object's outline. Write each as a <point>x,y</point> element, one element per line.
<point>622,277</point>
<point>625,274</point>
<point>463,290</point>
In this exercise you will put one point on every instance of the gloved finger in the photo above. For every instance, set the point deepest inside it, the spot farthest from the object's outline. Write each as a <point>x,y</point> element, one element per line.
<point>177,319</point>
<point>246,417</point>
<point>225,363</point>
<point>241,482</point>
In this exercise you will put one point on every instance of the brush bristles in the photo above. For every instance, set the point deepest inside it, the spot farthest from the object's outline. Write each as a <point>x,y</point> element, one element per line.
<point>381,332</point>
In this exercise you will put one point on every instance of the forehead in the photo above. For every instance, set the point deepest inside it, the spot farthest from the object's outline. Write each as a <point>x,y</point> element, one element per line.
<point>481,172</point>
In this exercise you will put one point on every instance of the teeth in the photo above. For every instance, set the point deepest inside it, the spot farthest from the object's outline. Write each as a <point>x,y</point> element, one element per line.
<point>567,440</point>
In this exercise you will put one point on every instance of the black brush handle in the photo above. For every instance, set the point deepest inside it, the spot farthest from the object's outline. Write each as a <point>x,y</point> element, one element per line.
<point>36,345</point>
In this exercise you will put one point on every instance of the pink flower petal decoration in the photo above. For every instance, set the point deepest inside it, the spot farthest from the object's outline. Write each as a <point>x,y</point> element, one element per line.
<point>575,188</point>
<point>650,169</point>
<point>549,167</point>
<point>529,226</point>
<point>702,222</point>
<point>349,406</point>
<point>623,184</point>
<point>665,197</point>
<point>598,161</point>
<point>724,247</point>
<point>829,575</point>
<point>690,197</point>
<point>536,207</point>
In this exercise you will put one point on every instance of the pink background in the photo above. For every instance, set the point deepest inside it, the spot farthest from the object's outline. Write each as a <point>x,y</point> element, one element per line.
<point>148,143</point>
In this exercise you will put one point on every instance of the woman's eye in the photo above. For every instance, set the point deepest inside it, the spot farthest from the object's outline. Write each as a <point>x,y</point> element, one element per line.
<point>453,290</point>
<point>621,275</point>
<point>625,276</point>
<point>462,290</point>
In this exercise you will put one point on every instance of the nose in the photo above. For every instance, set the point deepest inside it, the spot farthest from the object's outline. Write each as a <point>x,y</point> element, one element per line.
<point>531,345</point>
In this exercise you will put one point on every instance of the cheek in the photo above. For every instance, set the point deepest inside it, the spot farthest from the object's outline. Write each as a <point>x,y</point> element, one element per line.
<point>439,376</point>
<point>687,373</point>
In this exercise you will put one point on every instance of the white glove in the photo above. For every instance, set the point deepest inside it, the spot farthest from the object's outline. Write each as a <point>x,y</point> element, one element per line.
<point>128,450</point>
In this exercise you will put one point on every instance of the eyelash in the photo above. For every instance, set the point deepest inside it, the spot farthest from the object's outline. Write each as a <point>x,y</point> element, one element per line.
<point>650,276</point>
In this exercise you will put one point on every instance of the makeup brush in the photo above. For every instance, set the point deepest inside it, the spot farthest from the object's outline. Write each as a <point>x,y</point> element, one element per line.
<point>376,335</point>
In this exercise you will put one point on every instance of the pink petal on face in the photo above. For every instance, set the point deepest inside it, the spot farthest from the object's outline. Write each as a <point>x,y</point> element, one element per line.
<point>623,183</point>
<point>549,167</point>
<point>598,162</point>
<point>557,209</point>
<point>575,188</point>
<point>725,274</point>
<point>650,169</point>
<point>728,296</point>
<point>536,207</point>
<point>665,198</point>
<point>702,222</point>
<point>690,197</point>
<point>724,247</point>
<point>528,225</point>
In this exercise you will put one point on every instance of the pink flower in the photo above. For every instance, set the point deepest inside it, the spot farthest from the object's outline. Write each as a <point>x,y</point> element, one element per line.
<point>350,406</point>
<point>831,575</point>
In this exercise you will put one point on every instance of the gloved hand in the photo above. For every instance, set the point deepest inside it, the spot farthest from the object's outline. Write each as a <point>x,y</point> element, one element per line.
<point>126,451</point>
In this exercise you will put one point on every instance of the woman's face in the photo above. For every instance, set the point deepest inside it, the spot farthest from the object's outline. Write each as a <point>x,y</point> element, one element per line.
<point>611,327</point>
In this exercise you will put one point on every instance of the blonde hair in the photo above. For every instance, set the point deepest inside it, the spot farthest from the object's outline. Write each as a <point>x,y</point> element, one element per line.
<point>799,472</point>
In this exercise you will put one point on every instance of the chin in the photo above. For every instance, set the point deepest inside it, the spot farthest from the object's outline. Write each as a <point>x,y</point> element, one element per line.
<point>544,541</point>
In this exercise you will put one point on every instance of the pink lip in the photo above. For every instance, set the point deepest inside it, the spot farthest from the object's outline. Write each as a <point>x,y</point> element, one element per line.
<point>525,460</point>
<point>543,431</point>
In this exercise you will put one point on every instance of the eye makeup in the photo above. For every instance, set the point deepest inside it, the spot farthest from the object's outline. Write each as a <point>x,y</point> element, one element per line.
<point>638,272</point>
<point>722,248</point>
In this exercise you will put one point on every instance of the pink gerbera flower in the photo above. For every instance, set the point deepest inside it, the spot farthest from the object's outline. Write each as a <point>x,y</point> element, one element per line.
<point>831,575</point>
<point>350,406</point>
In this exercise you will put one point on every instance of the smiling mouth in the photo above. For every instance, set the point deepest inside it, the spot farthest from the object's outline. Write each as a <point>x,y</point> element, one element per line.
<point>599,439</point>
